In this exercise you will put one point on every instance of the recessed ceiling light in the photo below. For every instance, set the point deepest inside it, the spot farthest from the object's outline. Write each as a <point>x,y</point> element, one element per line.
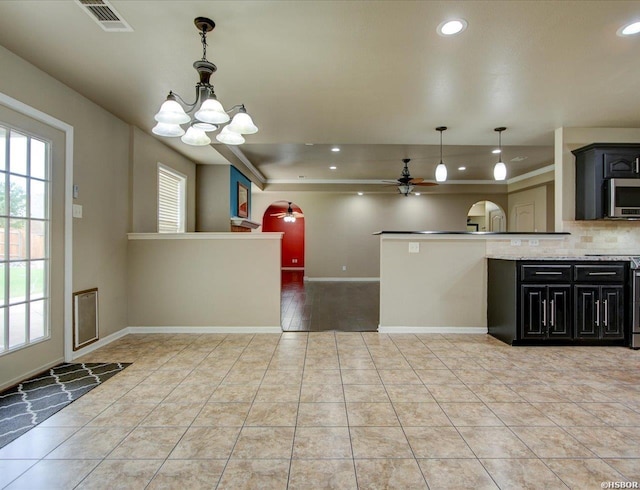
<point>335,148</point>
<point>417,193</point>
<point>360,193</point>
<point>629,29</point>
<point>462,168</point>
<point>496,151</point>
<point>308,144</point>
<point>332,168</point>
<point>452,27</point>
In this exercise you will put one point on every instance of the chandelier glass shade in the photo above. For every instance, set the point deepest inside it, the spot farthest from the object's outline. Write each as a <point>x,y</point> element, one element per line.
<point>209,114</point>
<point>500,169</point>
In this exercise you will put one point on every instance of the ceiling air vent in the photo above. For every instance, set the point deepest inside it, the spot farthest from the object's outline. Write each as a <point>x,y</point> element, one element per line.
<point>104,15</point>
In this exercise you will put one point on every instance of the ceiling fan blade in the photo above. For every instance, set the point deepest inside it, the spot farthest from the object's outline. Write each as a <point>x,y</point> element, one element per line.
<point>394,182</point>
<point>279,215</point>
<point>426,184</point>
<point>415,181</point>
<point>298,215</point>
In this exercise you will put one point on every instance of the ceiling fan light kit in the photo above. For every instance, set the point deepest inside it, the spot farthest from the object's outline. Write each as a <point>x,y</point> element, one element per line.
<point>209,112</point>
<point>500,169</point>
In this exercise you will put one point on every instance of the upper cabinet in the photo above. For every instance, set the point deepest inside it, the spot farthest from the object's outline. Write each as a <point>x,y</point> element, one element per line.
<point>597,163</point>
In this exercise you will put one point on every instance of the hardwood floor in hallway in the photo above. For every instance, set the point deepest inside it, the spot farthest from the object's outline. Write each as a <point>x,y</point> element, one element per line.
<point>320,306</point>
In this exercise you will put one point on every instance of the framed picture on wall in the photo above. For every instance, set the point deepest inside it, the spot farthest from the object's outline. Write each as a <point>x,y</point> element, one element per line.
<point>243,201</point>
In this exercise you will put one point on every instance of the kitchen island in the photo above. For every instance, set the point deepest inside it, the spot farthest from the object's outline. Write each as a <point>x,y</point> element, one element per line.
<point>436,281</point>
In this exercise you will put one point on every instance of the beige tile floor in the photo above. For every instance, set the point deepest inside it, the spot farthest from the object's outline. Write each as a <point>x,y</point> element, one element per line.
<point>341,410</point>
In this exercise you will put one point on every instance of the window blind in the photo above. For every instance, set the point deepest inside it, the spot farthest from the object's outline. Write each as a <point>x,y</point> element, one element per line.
<point>170,201</point>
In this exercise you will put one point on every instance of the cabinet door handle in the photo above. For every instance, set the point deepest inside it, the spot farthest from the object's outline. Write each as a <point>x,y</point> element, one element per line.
<point>606,312</point>
<point>544,312</point>
<point>637,165</point>
<point>552,310</point>
<point>597,313</point>
<point>547,273</point>
<point>602,273</point>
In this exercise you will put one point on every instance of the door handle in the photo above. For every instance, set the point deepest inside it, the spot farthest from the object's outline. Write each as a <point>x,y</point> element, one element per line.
<point>547,273</point>
<point>602,273</point>
<point>637,169</point>
<point>552,311</point>
<point>544,312</point>
<point>597,313</point>
<point>606,312</point>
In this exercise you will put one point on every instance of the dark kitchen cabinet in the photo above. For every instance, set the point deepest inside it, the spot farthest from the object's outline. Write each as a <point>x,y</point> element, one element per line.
<point>599,312</point>
<point>557,302</point>
<point>595,164</point>
<point>545,312</point>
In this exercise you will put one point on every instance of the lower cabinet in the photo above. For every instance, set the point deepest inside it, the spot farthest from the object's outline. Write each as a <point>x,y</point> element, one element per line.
<point>545,312</point>
<point>599,312</point>
<point>561,302</point>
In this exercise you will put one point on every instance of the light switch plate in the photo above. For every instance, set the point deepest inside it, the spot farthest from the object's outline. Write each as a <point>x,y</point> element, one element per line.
<point>77,211</point>
<point>414,247</point>
<point>534,243</point>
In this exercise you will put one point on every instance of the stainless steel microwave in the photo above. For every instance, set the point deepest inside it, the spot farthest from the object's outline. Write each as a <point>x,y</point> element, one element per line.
<point>622,198</point>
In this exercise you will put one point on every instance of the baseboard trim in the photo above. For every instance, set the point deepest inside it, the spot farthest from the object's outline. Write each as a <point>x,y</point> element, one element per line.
<point>33,372</point>
<point>100,343</point>
<point>462,330</point>
<point>342,279</point>
<point>221,329</point>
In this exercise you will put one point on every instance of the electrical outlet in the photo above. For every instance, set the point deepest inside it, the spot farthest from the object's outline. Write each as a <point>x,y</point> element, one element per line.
<point>294,261</point>
<point>414,247</point>
<point>516,243</point>
<point>77,211</point>
<point>344,267</point>
<point>534,243</point>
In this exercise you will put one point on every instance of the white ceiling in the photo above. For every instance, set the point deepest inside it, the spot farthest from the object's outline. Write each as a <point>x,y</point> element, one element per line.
<point>372,77</point>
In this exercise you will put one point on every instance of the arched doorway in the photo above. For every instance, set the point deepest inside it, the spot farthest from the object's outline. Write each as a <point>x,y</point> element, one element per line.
<point>486,216</point>
<point>276,218</point>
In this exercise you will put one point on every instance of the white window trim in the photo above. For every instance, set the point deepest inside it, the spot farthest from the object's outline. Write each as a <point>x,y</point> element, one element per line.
<point>182,211</point>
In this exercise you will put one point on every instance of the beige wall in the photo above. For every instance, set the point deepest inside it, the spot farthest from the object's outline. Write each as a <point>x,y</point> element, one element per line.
<point>339,226</point>
<point>443,285</point>
<point>213,197</point>
<point>146,153</point>
<point>227,280</point>
<point>101,169</point>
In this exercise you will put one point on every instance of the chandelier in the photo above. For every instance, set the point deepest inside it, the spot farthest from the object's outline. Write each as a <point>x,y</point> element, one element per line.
<point>209,114</point>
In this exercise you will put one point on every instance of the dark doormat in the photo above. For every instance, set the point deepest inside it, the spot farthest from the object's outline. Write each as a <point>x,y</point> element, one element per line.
<point>26,405</point>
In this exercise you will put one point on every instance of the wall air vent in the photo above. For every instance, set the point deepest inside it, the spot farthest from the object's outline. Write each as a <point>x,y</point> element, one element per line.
<point>103,14</point>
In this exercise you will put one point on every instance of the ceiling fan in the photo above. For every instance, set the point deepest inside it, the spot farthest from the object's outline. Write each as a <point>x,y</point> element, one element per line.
<point>406,183</point>
<point>290,215</point>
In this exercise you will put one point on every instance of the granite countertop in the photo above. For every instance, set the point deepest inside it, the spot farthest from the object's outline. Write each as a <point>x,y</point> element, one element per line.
<point>575,258</point>
<point>481,233</point>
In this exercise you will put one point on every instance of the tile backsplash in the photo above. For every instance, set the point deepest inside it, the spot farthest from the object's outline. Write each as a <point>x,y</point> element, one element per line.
<point>587,237</point>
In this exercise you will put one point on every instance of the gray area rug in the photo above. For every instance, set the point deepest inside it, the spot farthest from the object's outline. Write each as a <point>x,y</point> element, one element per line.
<point>26,405</point>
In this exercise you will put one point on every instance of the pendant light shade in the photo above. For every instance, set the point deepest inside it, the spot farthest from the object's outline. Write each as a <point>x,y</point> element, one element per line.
<point>441,173</point>
<point>196,137</point>
<point>211,111</point>
<point>166,129</point>
<point>441,169</point>
<point>242,123</point>
<point>229,137</point>
<point>500,169</point>
<point>171,112</point>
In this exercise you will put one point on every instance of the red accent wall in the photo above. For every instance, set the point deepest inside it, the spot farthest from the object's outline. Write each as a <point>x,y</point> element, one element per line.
<point>293,239</point>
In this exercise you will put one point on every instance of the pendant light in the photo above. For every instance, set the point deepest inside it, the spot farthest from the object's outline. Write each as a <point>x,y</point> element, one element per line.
<point>441,169</point>
<point>500,169</point>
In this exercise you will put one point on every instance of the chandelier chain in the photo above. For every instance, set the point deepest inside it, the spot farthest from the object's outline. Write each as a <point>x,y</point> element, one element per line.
<point>203,39</point>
